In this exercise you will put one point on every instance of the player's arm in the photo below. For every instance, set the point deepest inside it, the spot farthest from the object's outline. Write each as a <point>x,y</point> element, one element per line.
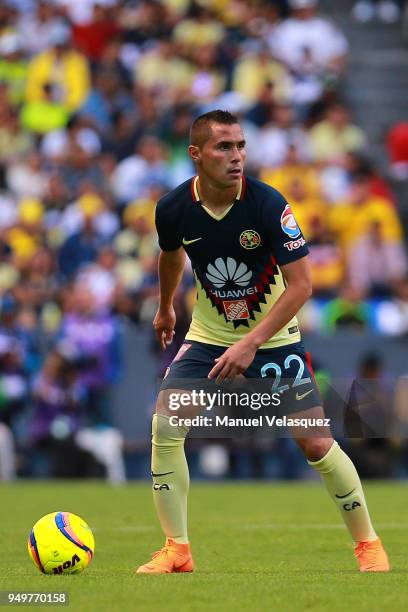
<point>298,290</point>
<point>171,267</point>
<point>239,357</point>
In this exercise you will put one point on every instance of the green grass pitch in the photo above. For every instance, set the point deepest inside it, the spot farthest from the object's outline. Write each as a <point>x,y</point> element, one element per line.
<point>256,546</point>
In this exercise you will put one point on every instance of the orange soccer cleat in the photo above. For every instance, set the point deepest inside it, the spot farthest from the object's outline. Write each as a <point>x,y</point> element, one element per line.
<point>371,556</point>
<point>172,558</point>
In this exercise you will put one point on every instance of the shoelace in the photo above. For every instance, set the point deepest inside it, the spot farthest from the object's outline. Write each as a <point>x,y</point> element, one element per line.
<point>164,550</point>
<point>365,547</point>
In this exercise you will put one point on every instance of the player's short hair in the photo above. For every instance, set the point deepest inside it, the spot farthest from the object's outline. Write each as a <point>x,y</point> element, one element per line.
<point>200,130</point>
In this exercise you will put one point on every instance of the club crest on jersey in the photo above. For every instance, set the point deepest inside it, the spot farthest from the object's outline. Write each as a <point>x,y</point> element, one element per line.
<point>223,271</point>
<point>288,223</point>
<point>249,239</point>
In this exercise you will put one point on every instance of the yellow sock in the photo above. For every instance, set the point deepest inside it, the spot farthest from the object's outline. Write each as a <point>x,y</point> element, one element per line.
<point>343,483</point>
<point>170,477</point>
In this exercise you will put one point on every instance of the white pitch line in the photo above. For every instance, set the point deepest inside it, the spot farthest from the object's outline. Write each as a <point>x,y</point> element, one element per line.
<point>319,526</point>
<point>127,529</point>
<point>266,526</point>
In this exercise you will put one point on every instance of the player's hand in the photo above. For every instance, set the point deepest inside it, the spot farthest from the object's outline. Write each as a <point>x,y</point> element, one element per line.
<point>236,359</point>
<point>164,323</point>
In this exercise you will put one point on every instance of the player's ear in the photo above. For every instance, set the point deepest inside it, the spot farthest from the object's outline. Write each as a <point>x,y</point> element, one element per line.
<point>195,153</point>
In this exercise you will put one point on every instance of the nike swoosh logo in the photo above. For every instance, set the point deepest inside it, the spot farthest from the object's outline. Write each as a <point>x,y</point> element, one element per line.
<point>185,241</point>
<point>300,397</point>
<point>346,495</point>
<point>164,474</point>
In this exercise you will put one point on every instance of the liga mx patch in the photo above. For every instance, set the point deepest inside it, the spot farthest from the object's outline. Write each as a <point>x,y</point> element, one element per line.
<point>236,309</point>
<point>182,350</point>
<point>288,223</point>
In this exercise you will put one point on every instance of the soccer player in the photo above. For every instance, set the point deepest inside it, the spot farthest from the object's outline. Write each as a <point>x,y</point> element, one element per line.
<point>252,274</point>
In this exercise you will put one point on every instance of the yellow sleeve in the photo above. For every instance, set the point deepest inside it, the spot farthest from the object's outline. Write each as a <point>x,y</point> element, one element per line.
<point>385,214</point>
<point>77,74</point>
<point>339,217</point>
<point>38,74</point>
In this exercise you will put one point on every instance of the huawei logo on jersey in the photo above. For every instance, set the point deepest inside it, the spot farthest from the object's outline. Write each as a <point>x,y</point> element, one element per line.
<point>222,272</point>
<point>236,292</point>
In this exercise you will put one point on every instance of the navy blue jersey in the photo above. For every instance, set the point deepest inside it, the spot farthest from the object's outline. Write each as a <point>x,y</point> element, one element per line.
<point>235,257</point>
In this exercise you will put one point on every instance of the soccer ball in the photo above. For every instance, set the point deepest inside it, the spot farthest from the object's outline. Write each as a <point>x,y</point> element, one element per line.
<point>61,543</point>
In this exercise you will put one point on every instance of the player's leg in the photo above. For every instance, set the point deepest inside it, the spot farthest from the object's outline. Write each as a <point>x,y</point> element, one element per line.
<point>344,487</point>
<point>169,465</point>
<point>170,473</point>
<point>170,490</point>
<point>300,399</point>
<point>7,453</point>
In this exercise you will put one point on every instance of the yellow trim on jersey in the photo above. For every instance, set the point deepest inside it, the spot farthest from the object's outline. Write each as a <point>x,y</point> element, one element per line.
<point>215,216</point>
<point>268,345</point>
<point>239,190</point>
<point>195,189</point>
<point>207,210</point>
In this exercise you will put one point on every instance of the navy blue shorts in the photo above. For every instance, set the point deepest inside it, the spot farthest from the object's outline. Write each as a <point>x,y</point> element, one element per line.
<point>284,370</point>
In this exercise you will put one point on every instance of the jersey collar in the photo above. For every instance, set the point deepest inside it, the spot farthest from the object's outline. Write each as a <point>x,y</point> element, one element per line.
<point>196,195</point>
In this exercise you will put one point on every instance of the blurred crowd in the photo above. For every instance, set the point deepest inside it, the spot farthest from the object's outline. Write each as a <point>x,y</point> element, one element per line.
<point>96,101</point>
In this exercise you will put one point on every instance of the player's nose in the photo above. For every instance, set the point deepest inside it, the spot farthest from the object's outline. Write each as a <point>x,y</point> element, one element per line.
<point>236,154</point>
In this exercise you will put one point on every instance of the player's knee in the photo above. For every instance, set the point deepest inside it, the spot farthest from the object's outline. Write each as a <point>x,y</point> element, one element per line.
<point>165,432</point>
<point>315,448</point>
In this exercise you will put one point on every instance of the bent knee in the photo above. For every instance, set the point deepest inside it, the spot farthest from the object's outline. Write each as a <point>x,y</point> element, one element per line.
<point>315,448</point>
<point>164,431</point>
